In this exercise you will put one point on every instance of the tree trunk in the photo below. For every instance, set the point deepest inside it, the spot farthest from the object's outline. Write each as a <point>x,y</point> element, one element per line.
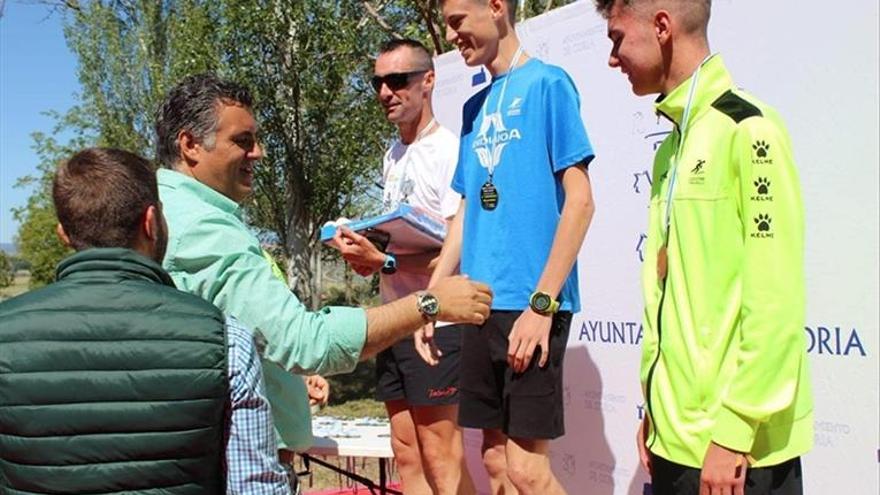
<point>301,268</point>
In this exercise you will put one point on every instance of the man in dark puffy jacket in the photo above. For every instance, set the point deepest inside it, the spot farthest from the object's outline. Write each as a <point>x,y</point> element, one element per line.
<point>111,380</point>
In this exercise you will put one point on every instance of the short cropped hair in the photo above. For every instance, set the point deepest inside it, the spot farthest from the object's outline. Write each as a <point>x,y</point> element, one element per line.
<point>511,8</point>
<point>193,106</point>
<point>100,196</point>
<point>694,14</point>
<point>422,58</point>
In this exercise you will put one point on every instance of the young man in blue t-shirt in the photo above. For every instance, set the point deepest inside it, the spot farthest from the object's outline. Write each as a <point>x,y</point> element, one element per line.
<point>526,207</point>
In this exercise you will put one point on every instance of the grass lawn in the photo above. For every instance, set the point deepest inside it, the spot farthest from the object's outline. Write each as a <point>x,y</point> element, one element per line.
<point>19,285</point>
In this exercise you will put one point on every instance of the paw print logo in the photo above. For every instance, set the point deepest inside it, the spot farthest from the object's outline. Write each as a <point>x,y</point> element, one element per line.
<point>763,185</point>
<point>761,148</point>
<point>763,220</point>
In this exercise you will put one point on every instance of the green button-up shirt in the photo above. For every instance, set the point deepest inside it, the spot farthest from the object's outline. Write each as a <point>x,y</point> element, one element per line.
<point>211,253</point>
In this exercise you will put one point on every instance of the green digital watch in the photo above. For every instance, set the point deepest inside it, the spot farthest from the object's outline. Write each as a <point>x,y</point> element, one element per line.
<point>543,304</point>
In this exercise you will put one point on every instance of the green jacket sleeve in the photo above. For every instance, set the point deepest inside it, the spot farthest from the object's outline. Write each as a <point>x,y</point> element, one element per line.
<point>770,338</point>
<point>222,262</point>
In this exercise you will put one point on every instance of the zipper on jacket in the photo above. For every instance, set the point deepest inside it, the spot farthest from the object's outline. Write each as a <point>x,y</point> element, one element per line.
<point>654,365</point>
<point>650,409</point>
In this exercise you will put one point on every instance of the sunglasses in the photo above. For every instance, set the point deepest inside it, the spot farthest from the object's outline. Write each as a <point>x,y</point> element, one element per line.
<point>394,81</point>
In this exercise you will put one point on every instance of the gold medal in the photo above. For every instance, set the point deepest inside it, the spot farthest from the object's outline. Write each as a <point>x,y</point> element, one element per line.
<point>661,263</point>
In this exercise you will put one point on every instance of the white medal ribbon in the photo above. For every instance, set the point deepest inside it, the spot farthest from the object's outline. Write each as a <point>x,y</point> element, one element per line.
<point>516,56</point>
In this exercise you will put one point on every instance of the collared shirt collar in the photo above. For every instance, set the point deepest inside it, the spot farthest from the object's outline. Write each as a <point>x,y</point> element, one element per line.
<point>177,180</point>
<point>714,81</point>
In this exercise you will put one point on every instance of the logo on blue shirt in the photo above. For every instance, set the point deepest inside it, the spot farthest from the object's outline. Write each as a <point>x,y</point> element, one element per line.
<point>515,107</point>
<point>489,147</point>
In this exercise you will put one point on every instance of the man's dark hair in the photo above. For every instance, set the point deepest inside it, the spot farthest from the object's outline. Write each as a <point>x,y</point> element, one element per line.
<point>193,106</point>
<point>422,59</point>
<point>603,7</point>
<point>100,197</point>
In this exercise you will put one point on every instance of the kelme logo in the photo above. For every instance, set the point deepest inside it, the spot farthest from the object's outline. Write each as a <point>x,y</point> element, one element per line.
<point>762,224</point>
<point>762,190</point>
<point>761,153</point>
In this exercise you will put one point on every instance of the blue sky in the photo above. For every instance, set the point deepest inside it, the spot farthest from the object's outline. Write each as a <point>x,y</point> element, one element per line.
<point>37,73</point>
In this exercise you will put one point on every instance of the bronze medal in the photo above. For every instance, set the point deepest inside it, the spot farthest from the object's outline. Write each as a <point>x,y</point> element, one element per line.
<point>489,196</point>
<point>661,263</point>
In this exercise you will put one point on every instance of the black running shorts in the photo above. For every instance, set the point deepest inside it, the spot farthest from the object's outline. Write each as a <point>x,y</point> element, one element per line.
<point>525,405</point>
<point>402,374</point>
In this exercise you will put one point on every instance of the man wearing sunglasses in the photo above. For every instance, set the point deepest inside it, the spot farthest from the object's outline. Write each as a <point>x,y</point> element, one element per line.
<point>422,401</point>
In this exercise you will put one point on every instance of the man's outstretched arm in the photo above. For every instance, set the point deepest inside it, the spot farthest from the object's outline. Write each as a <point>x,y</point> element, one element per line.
<point>460,301</point>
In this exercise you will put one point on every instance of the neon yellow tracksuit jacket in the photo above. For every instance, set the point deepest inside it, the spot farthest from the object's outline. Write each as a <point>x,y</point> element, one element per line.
<point>724,355</point>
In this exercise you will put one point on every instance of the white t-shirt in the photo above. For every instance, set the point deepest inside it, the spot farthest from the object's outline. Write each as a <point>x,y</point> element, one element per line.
<point>419,174</point>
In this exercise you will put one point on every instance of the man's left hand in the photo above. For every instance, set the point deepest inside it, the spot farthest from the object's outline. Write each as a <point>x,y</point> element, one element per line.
<point>529,331</point>
<point>319,390</point>
<point>724,472</point>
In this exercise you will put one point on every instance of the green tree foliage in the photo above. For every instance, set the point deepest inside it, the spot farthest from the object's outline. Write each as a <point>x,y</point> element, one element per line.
<point>38,245</point>
<point>7,275</point>
<point>129,54</point>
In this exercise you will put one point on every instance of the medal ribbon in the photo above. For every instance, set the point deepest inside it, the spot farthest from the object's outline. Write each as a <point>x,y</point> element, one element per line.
<point>516,56</point>
<point>682,132</point>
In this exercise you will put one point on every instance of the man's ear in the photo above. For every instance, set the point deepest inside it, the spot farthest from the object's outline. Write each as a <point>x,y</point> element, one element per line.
<point>498,8</point>
<point>150,223</point>
<point>662,26</point>
<point>428,81</point>
<point>189,147</point>
<point>62,235</point>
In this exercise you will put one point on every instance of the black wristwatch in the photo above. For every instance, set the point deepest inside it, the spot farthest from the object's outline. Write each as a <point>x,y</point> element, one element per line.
<point>428,305</point>
<point>390,265</point>
<point>543,304</point>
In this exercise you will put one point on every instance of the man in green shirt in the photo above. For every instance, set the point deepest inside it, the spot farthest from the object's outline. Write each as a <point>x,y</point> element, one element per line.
<point>724,366</point>
<point>207,144</point>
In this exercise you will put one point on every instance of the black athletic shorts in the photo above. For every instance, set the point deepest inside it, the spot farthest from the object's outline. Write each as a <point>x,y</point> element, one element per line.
<point>402,374</point>
<point>670,478</point>
<point>524,405</point>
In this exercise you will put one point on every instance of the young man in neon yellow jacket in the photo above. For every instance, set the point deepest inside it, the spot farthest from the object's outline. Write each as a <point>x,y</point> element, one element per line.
<point>724,367</point>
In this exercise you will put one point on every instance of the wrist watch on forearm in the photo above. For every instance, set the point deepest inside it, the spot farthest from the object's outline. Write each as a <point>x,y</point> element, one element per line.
<point>428,305</point>
<point>543,304</point>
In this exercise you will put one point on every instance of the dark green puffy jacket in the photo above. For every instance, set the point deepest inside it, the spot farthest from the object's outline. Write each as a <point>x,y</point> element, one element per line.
<point>111,380</point>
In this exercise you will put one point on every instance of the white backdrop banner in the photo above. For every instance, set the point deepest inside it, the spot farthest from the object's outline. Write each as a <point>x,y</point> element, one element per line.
<point>822,76</point>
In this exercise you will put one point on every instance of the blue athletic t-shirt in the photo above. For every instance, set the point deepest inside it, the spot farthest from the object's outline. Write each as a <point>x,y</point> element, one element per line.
<point>537,133</point>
